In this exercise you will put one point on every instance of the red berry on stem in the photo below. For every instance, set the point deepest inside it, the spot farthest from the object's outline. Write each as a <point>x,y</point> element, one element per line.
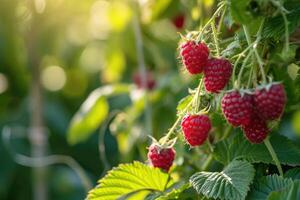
<point>195,129</point>
<point>256,131</point>
<point>150,82</point>
<point>237,108</point>
<point>161,157</point>
<point>217,73</point>
<point>194,56</point>
<point>270,101</point>
<point>178,21</point>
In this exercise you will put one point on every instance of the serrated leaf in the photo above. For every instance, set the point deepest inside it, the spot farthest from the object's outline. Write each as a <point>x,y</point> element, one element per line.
<point>92,112</point>
<point>293,174</point>
<point>129,179</point>
<point>174,192</point>
<point>274,27</point>
<point>232,183</point>
<point>237,147</point>
<point>289,193</point>
<point>183,103</point>
<point>264,186</point>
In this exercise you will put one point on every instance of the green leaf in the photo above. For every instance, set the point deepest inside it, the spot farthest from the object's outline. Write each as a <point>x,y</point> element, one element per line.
<point>237,147</point>
<point>129,179</point>
<point>232,183</point>
<point>262,188</point>
<point>92,112</point>
<point>289,193</point>
<point>183,103</point>
<point>274,27</point>
<point>293,174</point>
<point>174,193</point>
<point>239,12</point>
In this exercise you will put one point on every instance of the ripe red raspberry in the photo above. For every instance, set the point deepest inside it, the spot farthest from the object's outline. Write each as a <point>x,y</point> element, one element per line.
<point>194,56</point>
<point>256,131</point>
<point>237,108</point>
<point>270,101</point>
<point>161,157</point>
<point>150,82</point>
<point>178,21</point>
<point>195,129</point>
<point>217,73</point>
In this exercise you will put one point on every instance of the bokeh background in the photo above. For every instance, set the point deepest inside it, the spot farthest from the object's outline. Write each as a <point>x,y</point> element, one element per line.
<point>54,53</point>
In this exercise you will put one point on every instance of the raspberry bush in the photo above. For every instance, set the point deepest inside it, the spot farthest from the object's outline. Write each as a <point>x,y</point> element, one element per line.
<point>226,132</point>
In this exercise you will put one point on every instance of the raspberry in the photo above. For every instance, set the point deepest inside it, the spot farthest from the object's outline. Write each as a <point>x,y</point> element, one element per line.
<point>150,82</point>
<point>270,101</point>
<point>195,128</point>
<point>256,131</point>
<point>217,73</point>
<point>237,108</point>
<point>161,157</point>
<point>194,56</point>
<point>178,21</point>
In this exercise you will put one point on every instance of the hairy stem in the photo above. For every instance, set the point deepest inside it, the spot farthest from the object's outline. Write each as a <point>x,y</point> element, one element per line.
<point>222,19</point>
<point>242,69</point>
<point>197,98</point>
<point>210,20</point>
<point>239,56</point>
<point>215,35</point>
<point>195,102</point>
<point>259,60</point>
<point>273,155</point>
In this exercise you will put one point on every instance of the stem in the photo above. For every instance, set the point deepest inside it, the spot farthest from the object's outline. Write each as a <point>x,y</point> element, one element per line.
<point>194,101</point>
<point>213,27</point>
<point>37,137</point>
<point>172,129</point>
<point>242,68</point>
<point>273,155</point>
<point>250,77</point>
<point>227,132</point>
<point>101,144</point>
<point>40,162</point>
<point>197,98</point>
<point>210,20</point>
<point>259,60</point>
<point>211,149</point>
<point>286,22</point>
<point>286,27</point>
<point>142,71</point>
<point>207,162</point>
<point>222,19</point>
<point>240,55</point>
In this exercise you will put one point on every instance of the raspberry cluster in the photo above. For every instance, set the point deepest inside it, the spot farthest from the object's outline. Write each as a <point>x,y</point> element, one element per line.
<point>254,109</point>
<point>217,71</point>
<point>249,109</point>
